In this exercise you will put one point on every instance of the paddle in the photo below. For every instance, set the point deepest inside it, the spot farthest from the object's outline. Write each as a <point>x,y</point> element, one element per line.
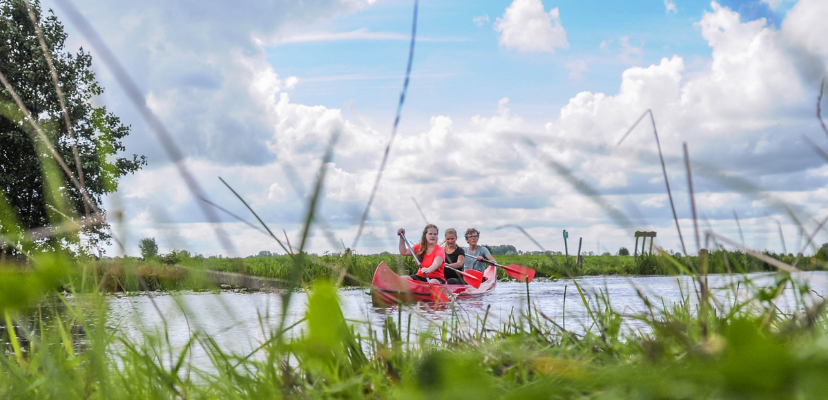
<point>471,278</point>
<point>439,296</point>
<point>519,272</point>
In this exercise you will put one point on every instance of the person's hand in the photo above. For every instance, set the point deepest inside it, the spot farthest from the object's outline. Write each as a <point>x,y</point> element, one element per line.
<point>400,231</point>
<point>479,258</point>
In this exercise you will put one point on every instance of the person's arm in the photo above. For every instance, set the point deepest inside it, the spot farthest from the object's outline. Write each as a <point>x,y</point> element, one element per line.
<point>489,257</point>
<point>436,264</point>
<point>460,264</point>
<point>486,254</point>
<point>403,250</point>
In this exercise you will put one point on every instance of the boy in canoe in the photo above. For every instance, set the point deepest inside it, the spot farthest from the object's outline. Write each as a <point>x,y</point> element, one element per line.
<point>431,255</point>
<point>455,258</point>
<point>475,253</point>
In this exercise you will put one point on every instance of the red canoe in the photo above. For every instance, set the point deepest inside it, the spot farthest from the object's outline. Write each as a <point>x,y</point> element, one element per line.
<point>389,288</point>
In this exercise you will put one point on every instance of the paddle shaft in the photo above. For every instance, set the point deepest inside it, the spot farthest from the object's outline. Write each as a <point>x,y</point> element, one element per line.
<point>518,272</point>
<point>414,255</point>
<point>464,273</point>
<point>436,294</point>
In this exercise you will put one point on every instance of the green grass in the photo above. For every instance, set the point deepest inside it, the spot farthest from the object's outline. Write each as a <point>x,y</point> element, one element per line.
<point>747,350</point>
<point>186,273</point>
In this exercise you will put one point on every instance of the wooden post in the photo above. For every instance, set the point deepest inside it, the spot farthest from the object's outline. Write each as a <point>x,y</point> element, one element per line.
<point>566,249</point>
<point>645,235</point>
<point>635,249</point>
<point>579,260</point>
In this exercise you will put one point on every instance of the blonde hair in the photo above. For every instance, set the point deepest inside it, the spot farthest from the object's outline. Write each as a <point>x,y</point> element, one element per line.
<point>449,231</point>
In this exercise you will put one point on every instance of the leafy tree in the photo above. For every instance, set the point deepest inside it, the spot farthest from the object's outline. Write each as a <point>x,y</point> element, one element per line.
<point>822,253</point>
<point>149,249</point>
<point>503,249</point>
<point>38,195</point>
<point>623,251</point>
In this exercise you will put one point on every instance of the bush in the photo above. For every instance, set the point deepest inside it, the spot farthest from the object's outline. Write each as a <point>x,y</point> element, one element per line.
<point>623,251</point>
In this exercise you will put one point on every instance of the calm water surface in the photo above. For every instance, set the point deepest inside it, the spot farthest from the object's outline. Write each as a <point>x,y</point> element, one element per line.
<point>240,322</point>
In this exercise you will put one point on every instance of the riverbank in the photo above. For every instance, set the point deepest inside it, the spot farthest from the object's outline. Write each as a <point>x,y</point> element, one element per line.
<point>199,273</point>
<point>695,348</point>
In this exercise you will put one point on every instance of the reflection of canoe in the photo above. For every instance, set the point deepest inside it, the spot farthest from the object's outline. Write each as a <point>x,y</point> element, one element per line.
<point>389,288</point>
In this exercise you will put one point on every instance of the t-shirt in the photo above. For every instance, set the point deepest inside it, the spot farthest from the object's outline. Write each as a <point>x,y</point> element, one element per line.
<point>471,258</point>
<point>451,258</point>
<point>429,259</point>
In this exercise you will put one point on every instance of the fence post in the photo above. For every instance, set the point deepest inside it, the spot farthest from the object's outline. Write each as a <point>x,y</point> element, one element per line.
<point>635,249</point>
<point>566,249</point>
<point>580,260</point>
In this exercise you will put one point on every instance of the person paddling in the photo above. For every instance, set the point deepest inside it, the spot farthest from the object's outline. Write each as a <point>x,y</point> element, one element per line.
<point>431,256</point>
<point>455,258</point>
<point>475,253</point>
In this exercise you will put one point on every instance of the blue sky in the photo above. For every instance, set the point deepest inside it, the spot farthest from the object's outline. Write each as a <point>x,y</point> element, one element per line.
<point>464,71</point>
<point>500,91</point>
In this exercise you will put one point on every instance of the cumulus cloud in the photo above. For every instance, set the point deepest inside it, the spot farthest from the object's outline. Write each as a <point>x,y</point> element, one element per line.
<point>752,95</point>
<point>203,69</point>
<point>527,28</point>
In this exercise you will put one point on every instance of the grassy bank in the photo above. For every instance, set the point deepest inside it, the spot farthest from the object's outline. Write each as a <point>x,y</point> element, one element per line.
<point>747,350</point>
<point>127,274</point>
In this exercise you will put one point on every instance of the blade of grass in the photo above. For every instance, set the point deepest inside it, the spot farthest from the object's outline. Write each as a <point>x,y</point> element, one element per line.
<point>61,99</point>
<point>663,170</point>
<point>393,129</point>
<point>138,100</point>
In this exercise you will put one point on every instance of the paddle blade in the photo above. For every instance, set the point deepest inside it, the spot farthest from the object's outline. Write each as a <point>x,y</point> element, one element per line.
<point>519,272</point>
<point>473,279</point>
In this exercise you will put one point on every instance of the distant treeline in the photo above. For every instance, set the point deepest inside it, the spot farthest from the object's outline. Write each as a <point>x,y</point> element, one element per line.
<point>182,270</point>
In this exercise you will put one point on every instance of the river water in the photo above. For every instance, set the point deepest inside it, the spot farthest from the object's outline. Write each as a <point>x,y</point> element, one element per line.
<point>240,322</point>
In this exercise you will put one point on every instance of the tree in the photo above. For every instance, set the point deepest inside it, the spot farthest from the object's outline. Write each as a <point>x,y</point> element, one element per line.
<point>822,253</point>
<point>503,249</point>
<point>149,249</point>
<point>37,195</point>
<point>623,251</point>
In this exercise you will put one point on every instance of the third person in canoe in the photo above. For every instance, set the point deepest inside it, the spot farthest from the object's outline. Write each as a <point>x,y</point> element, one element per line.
<point>474,253</point>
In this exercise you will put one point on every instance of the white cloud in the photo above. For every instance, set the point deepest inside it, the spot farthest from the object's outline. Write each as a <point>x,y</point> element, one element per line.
<point>656,201</point>
<point>629,53</point>
<point>357,34</point>
<point>714,200</point>
<point>775,4</point>
<point>481,20</point>
<point>670,7</point>
<point>576,68</point>
<point>478,172</point>
<point>526,27</point>
<point>805,26</point>
<point>203,69</point>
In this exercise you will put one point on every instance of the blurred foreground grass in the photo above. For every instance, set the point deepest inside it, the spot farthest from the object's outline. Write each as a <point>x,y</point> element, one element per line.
<point>735,345</point>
